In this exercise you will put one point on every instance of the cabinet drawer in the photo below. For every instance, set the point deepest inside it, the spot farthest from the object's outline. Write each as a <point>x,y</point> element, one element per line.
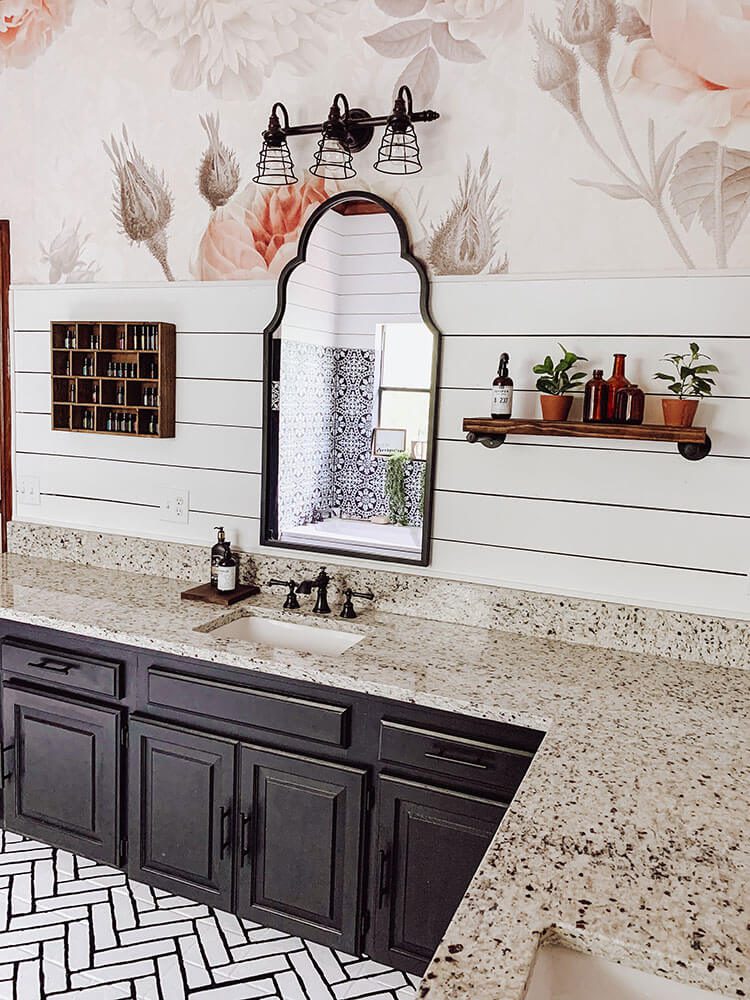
<point>450,756</point>
<point>250,707</point>
<point>62,668</point>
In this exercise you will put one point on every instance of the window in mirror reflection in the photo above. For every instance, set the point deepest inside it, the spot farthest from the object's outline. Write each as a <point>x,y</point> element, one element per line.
<point>405,379</point>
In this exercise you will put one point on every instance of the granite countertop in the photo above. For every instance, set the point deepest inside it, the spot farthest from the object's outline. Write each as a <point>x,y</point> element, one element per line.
<point>628,836</point>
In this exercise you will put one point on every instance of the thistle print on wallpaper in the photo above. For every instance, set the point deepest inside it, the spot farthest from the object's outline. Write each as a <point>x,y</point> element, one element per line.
<point>455,30</point>
<point>142,199</point>
<point>667,46</point>
<point>466,240</point>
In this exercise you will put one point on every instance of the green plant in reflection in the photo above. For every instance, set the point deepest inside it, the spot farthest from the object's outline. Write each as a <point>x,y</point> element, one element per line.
<point>395,474</point>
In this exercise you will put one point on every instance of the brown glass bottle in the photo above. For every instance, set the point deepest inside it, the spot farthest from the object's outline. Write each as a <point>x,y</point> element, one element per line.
<point>616,381</point>
<point>595,398</point>
<point>502,392</point>
<point>629,405</point>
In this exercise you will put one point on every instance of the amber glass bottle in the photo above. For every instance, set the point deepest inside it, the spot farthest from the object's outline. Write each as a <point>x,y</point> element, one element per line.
<point>629,405</point>
<point>595,398</point>
<point>616,381</point>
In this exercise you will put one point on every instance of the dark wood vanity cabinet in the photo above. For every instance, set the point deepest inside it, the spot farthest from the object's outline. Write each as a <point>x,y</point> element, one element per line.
<point>61,772</point>
<point>343,818</point>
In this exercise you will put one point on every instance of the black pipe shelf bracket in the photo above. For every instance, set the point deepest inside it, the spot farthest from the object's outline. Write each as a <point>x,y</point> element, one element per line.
<point>693,443</point>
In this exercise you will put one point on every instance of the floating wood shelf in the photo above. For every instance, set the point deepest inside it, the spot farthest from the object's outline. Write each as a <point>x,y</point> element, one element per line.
<point>89,398</point>
<point>693,443</point>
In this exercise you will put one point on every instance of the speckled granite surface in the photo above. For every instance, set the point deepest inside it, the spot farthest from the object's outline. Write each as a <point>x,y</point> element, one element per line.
<point>676,635</point>
<point>628,836</point>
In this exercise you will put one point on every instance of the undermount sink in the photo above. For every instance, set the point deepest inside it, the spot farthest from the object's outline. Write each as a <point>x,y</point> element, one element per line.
<point>319,639</point>
<point>563,974</point>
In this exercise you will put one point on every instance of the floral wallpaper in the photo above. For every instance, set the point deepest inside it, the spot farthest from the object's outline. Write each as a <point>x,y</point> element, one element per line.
<point>575,135</point>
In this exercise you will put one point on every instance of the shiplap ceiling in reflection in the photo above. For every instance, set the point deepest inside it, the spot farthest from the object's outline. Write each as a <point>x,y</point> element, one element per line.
<point>629,522</point>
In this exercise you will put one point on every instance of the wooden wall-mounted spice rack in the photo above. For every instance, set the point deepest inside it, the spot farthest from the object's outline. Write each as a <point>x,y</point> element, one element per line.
<point>113,378</point>
<point>693,443</point>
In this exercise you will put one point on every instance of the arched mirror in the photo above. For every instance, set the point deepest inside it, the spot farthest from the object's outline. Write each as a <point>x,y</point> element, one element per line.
<point>351,361</point>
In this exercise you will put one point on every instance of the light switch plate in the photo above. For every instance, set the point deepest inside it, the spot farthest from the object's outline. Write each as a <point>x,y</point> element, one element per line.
<point>175,506</point>
<point>28,490</point>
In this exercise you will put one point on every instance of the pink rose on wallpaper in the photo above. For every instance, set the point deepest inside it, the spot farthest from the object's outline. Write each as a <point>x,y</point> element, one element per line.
<point>698,55</point>
<point>256,233</point>
<point>28,27</point>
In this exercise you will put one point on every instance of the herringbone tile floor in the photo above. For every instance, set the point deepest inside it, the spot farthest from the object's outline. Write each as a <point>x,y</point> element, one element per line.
<point>71,928</point>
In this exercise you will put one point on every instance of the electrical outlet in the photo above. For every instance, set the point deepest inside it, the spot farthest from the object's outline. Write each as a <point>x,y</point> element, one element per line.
<point>28,490</point>
<point>175,506</point>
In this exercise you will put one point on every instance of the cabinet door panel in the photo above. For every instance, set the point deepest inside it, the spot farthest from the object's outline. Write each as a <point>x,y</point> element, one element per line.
<point>181,789</point>
<point>64,784</point>
<point>301,823</point>
<point>430,843</point>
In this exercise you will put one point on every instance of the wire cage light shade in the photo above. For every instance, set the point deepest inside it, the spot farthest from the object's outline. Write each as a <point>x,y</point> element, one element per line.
<point>275,166</point>
<point>333,160</point>
<point>399,151</point>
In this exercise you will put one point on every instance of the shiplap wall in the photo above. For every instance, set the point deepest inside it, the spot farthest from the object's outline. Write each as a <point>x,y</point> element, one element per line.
<point>630,522</point>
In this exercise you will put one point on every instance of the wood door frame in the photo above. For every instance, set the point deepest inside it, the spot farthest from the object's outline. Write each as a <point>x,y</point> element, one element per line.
<point>6,470</point>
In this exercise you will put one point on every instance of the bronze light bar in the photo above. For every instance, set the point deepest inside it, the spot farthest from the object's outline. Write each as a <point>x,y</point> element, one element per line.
<point>346,131</point>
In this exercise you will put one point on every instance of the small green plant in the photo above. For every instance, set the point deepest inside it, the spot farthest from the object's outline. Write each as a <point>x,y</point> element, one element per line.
<point>395,476</point>
<point>692,373</point>
<point>554,379</point>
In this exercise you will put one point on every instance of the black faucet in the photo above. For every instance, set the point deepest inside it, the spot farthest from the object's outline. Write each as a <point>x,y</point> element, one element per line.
<point>291,603</point>
<point>348,609</point>
<point>320,583</point>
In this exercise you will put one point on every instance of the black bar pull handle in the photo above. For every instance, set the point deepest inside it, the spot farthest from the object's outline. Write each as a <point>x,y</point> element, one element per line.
<point>440,755</point>
<point>225,834</point>
<point>56,665</point>
<point>9,751</point>
<point>384,865</point>
<point>245,847</point>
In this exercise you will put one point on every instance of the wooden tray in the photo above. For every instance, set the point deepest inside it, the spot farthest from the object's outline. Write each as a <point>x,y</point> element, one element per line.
<point>210,595</point>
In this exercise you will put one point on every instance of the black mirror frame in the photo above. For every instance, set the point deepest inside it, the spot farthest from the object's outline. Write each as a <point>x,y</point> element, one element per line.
<point>269,475</point>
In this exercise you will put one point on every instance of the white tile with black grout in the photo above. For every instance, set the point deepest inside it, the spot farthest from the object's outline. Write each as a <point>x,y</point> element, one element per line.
<point>73,928</point>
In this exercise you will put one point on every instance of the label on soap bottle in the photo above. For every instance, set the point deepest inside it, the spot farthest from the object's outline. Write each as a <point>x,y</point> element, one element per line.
<point>226,578</point>
<point>502,400</point>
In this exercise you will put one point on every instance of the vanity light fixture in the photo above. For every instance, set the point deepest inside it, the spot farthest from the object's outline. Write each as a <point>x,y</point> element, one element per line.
<point>345,131</point>
<point>399,149</point>
<point>275,164</point>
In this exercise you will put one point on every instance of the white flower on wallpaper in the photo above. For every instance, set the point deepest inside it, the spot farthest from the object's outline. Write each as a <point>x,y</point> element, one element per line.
<point>65,256</point>
<point>708,181</point>
<point>466,240</point>
<point>456,30</point>
<point>142,199</point>
<point>28,27</point>
<point>231,46</point>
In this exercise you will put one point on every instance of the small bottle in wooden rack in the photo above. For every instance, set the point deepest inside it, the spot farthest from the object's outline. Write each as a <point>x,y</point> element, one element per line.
<point>152,427</point>
<point>120,394</point>
<point>71,392</point>
<point>95,393</point>
<point>502,391</point>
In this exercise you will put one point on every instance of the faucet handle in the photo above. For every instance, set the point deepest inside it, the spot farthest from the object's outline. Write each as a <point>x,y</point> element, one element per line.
<point>348,609</point>
<point>291,603</point>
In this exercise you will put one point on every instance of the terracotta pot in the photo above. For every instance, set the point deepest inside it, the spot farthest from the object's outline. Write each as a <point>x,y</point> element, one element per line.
<point>555,407</point>
<point>679,412</point>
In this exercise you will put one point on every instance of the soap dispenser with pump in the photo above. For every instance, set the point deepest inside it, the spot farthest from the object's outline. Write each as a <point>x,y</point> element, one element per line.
<point>217,554</point>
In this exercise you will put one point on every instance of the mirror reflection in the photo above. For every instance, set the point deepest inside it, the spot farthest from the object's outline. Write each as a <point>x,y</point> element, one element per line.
<point>355,364</point>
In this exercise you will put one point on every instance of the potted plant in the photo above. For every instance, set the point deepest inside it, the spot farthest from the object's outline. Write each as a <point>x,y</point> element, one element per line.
<point>555,383</point>
<point>691,380</point>
<point>395,487</point>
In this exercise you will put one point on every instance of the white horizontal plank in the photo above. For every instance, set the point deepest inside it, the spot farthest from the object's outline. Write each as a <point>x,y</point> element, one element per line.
<point>355,244</point>
<point>728,421</point>
<point>308,276</point>
<point>382,263</point>
<point>236,449</point>
<point>363,225</point>
<point>141,521</point>
<point>232,307</point>
<point>199,401</point>
<point>382,303</point>
<point>236,493</point>
<point>199,355</point>
<point>584,529</point>
<point>471,362</point>
<point>659,586</point>
<point>684,305</point>
<point>639,479</point>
